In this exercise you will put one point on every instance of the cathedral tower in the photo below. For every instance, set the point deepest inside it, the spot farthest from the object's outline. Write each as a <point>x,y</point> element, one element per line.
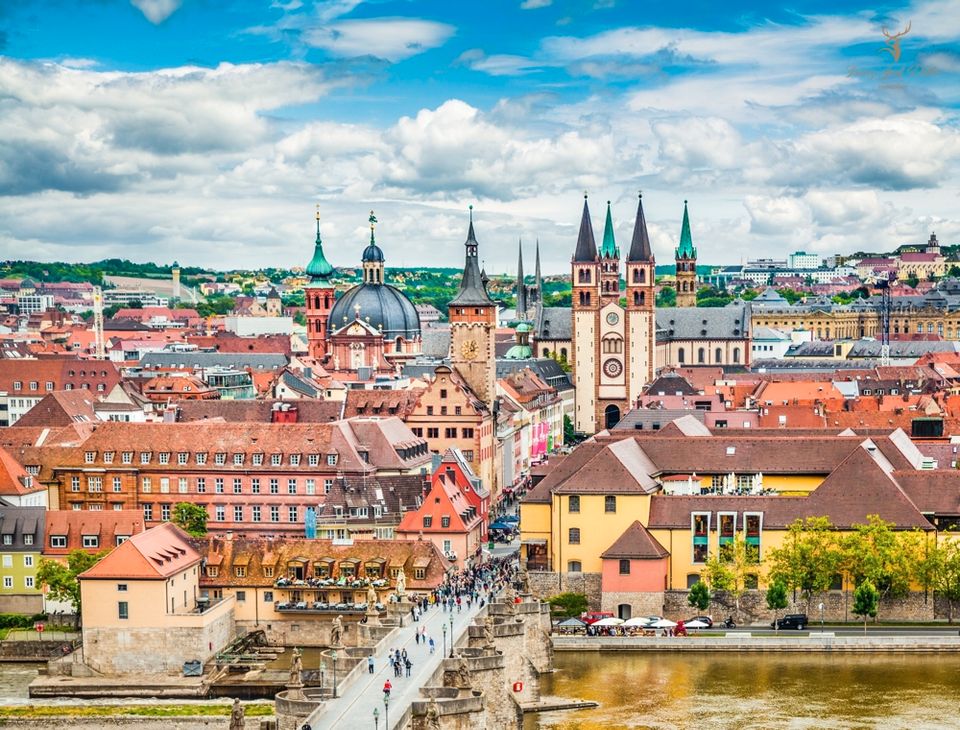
<point>641,295</point>
<point>686,259</point>
<point>319,295</point>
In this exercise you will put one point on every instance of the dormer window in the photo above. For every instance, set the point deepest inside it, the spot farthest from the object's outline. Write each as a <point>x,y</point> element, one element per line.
<point>127,457</point>
<point>144,457</point>
<point>165,457</point>
<point>91,541</point>
<point>238,459</point>
<point>313,459</point>
<point>294,459</point>
<point>257,459</point>
<point>107,457</point>
<point>183,457</point>
<point>220,458</point>
<point>276,459</point>
<point>212,571</point>
<point>201,458</point>
<point>331,459</point>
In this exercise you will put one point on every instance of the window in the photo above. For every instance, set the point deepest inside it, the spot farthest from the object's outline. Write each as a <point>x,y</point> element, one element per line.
<point>147,512</point>
<point>95,484</point>
<point>419,573</point>
<point>89,457</point>
<point>331,459</point>
<point>574,503</point>
<point>574,566</point>
<point>220,458</point>
<point>574,536</point>
<point>429,410</point>
<point>255,513</point>
<point>327,485</point>
<point>123,610</point>
<point>433,433</point>
<point>17,385</point>
<point>444,521</point>
<point>311,486</point>
<point>240,571</point>
<point>294,459</point>
<point>165,512</point>
<point>467,433</point>
<point>127,457</point>
<point>291,486</point>
<point>701,528</point>
<point>238,459</point>
<point>458,410</point>
<point>201,485</point>
<point>212,571</point>
<point>118,484</point>
<point>28,540</point>
<point>8,581</point>
<point>58,541</point>
<point>107,457</point>
<point>122,587</point>
<point>165,458</point>
<point>91,541</point>
<point>74,484</point>
<point>274,513</point>
<point>237,486</point>
<point>241,596</point>
<point>292,513</point>
<point>427,521</point>
<point>313,459</point>
<point>610,503</point>
<point>201,458</point>
<point>221,513</point>
<point>182,485</point>
<point>450,433</point>
<point>276,459</point>
<point>625,567</point>
<point>268,596</point>
<point>144,457</point>
<point>183,457</point>
<point>257,459</point>
<point>274,486</point>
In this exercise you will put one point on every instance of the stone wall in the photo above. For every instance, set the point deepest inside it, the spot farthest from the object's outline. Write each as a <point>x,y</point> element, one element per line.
<point>24,604</point>
<point>154,650</point>
<point>544,584</point>
<point>837,606</point>
<point>306,630</point>
<point>133,723</point>
<point>641,604</point>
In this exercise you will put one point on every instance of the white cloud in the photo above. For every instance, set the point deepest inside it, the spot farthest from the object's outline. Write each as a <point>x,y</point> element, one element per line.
<point>157,11</point>
<point>393,39</point>
<point>776,216</point>
<point>535,4</point>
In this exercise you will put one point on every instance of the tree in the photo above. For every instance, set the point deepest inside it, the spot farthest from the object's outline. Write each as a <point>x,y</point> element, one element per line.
<point>865,600</point>
<point>699,596</point>
<point>809,558</point>
<point>938,568</point>
<point>192,518</point>
<point>776,599</point>
<point>565,605</point>
<point>874,552</point>
<point>569,433</point>
<point>912,280</point>
<point>666,297</point>
<point>954,271</point>
<point>60,579</point>
<point>729,570</point>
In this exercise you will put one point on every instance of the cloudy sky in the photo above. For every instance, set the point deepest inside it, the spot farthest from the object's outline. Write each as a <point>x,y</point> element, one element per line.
<point>207,131</point>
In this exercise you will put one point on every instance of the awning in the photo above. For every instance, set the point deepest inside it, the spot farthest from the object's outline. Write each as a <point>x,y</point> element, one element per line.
<point>534,541</point>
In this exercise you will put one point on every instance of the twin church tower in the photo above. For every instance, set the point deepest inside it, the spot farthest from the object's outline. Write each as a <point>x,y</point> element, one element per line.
<point>613,335</point>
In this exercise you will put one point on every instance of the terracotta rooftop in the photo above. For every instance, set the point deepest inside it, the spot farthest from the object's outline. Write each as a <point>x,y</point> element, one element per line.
<point>636,543</point>
<point>237,411</point>
<point>61,408</point>
<point>74,525</point>
<point>156,554</point>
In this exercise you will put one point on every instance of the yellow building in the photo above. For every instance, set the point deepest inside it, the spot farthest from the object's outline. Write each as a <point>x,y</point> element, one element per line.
<point>676,500</point>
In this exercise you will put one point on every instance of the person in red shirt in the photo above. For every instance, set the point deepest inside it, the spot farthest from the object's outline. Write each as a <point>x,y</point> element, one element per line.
<point>386,688</point>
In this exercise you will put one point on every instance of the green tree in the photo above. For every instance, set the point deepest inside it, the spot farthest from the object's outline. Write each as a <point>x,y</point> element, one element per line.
<point>666,297</point>
<point>732,568</point>
<point>866,598</point>
<point>954,271</point>
<point>566,605</point>
<point>300,318</point>
<point>809,558</point>
<point>776,599</point>
<point>192,518</point>
<point>938,568</point>
<point>912,280</point>
<point>699,596</point>
<point>60,579</point>
<point>875,552</point>
<point>569,433</point>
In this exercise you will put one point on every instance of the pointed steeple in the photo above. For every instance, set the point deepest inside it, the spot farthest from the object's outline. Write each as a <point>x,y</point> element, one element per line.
<point>319,269</point>
<point>472,292</point>
<point>521,286</point>
<point>640,245</point>
<point>586,245</point>
<point>537,279</point>
<point>686,249</point>
<point>609,250</point>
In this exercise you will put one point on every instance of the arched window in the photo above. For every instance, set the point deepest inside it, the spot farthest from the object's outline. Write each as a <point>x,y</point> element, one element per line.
<point>681,358</point>
<point>718,355</point>
<point>637,299</point>
<point>736,354</point>
<point>611,416</point>
<point>398,345</point>
<point>701,355</point>
<point>546,352</point>
<point>643,299</point>
<point>563,353</point>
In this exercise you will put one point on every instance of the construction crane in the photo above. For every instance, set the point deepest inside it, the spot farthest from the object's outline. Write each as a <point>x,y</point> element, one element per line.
<point>100,352</point>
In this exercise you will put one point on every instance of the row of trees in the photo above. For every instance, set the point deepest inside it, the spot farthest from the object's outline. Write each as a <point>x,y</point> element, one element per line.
<point>815,557</point>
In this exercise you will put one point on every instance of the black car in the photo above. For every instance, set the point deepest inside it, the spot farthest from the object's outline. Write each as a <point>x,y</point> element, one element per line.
<point>796,621</point>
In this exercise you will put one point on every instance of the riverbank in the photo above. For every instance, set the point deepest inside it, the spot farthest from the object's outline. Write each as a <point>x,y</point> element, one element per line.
<point>745,642</point>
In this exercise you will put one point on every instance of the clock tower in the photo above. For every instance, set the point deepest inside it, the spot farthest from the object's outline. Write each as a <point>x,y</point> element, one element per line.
<point>473,322</point>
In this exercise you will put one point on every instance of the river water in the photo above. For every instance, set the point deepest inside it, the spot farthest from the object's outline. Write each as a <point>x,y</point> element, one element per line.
<point>753,691</point>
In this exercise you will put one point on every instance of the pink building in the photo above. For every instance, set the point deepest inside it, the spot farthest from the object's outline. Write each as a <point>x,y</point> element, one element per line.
<point>634,574</point>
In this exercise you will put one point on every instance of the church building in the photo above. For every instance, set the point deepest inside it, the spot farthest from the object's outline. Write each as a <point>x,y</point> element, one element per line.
<point>613,328</point>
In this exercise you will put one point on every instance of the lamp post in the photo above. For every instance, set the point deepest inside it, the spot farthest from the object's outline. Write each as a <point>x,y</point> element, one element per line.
<point>333,656</point>
<point>444,640</point>
<point>386,712</point>
<point>323,672</point>
<point>376,718</point>
<point>451,635</point>
<point>821,617</point>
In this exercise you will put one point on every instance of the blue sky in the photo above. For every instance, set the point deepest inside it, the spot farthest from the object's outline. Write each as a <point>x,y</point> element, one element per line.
<point>207,131</point>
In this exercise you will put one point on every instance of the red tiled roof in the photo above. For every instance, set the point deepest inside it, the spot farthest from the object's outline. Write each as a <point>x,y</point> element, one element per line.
<point>108,525</point>
<point>636,543</point>
<point>156,554</point>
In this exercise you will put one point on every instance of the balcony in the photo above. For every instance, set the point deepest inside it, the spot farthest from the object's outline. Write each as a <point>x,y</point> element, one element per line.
<point>318,607</point>
<point>343,583</point>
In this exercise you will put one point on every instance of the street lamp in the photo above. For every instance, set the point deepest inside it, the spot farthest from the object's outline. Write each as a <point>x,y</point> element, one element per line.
<point>376,718</point>
<point>333,656</point>
<point>386,711</point>
<point>445,640</point>
<point>821,618</point>
<point>451,635</point>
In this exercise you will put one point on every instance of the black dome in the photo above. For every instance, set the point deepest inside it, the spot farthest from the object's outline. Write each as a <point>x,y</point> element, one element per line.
<point>385,306</point>
<point>372,253</point>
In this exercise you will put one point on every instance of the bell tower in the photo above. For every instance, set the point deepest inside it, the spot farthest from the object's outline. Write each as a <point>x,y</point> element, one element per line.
<point>473,323</point>
<point>585,282</point>
<point>686,260</point>
<point>319,295</point>
<point>641,296</point>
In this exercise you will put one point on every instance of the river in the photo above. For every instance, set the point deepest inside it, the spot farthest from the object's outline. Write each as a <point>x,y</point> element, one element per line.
<point>747,691</point>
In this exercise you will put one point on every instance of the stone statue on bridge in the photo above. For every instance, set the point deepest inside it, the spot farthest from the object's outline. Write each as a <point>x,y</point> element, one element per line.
<point>401,585</point>
<point>336,632</point>
<point>433,715</point>
<point>236,716</point>
<point>488,632</point>
<point>296,667</point>
<point>371,599</point>
<point>463,673</point>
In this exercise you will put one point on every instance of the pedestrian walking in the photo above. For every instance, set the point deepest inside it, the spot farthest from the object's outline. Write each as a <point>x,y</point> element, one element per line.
<point>409,666</point>
<point>370,664</point>
<point>416,637</point>
<point>432,645</point>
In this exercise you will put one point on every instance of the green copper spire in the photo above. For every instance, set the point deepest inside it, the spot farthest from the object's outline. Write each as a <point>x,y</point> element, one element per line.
<point>319,268</point>
<point>686,249</point>
<point>609,250</point>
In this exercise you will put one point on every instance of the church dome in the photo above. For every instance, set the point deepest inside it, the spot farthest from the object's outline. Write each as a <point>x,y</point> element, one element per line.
<point>372,253</point>
<point>384,306</point>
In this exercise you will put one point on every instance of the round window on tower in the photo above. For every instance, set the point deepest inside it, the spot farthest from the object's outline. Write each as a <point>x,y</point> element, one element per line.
<point>612,368</point>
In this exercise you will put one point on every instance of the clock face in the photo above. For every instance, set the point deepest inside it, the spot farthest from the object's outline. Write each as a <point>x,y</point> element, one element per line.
<point>469,349</point>
<point>612,368</point>
<point>612,318</point>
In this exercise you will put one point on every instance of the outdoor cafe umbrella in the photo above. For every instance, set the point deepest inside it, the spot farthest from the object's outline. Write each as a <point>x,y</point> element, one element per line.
<point>610,621</point>
<point>572,623</point>
<point>636,622</point>
<point>663,623</point>
<point>696,624</point>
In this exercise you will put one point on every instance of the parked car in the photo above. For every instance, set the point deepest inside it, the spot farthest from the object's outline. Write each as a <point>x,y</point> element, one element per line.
<point>650,620</point>
<point>796,621</point>
<point>702,619</point>
<point>591,617</point>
